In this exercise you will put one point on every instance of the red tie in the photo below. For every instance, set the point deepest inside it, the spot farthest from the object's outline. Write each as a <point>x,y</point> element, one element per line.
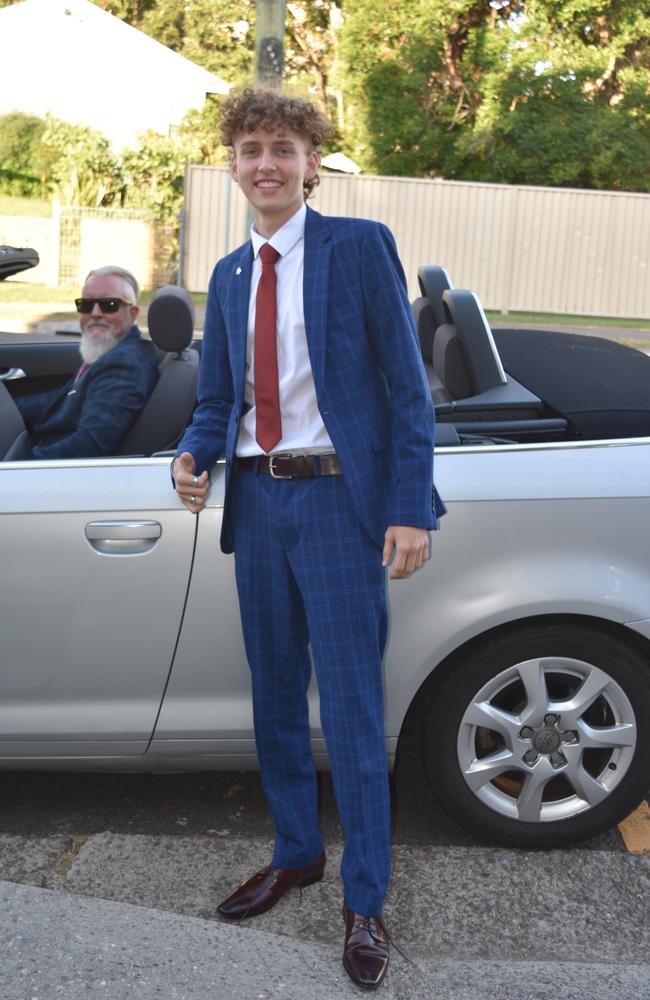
<point>268,425</point>
<point>82,371</point>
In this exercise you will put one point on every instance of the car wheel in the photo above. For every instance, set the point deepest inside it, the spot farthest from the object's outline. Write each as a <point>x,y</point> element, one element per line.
<point>541,736</point>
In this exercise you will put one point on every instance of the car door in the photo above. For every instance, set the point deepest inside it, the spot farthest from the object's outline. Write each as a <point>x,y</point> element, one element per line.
<point>96,561</point>
<point>37,362</point>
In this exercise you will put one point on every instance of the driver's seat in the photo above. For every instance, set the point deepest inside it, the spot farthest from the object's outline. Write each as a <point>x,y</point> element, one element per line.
<point>169,407</point>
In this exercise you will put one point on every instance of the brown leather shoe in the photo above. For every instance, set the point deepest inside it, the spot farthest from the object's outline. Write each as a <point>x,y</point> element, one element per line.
<point>262,890</point>
<point>365,952</point>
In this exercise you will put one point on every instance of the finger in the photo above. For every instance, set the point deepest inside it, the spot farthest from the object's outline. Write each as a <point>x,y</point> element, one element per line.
<point>183,468</point>
<point>193,496</point>
<point>399,566</point>
<point>406,562</point>
<point>389,545</point>
<point>193,504</point>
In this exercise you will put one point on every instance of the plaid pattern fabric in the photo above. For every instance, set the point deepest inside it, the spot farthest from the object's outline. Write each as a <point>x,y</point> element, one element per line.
<point>307,572</point>
<point>308,552</point>
<point>91,416</point>
<point>370,383</point>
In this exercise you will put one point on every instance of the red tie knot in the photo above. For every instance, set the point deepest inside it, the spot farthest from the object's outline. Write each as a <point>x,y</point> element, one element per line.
<point>268,255</point>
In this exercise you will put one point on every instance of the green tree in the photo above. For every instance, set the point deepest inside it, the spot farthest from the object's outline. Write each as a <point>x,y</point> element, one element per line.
<point>24,163</point>
<point>127,10</point>
<point>533,91</point>
<point>573,106</point>
<point>220,36</point>
<point>202,128</point>
<point>216,34</point>
<point>310,50</point>
<point>412,78</point>
<point>83,170</point>
<point>153,174</point>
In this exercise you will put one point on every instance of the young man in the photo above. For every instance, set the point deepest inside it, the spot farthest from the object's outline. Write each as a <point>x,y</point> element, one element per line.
<point>92,414</point>
<point>328,437</point>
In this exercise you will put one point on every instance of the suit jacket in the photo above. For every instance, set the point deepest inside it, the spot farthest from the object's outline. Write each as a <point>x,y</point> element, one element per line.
<point>370,383</point>
<point>92,416</point>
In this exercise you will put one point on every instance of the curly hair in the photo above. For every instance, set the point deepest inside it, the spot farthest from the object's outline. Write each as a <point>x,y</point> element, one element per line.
<point>252,108</point>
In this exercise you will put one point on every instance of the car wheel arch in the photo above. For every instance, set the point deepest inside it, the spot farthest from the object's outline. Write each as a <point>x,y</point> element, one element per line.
<point>453,659</point>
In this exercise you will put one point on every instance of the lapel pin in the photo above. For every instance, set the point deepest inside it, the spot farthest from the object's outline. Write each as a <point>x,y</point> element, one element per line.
<point>238,271</point>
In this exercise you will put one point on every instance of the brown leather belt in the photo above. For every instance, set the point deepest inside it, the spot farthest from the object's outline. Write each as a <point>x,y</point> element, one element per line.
<point>293,466</point>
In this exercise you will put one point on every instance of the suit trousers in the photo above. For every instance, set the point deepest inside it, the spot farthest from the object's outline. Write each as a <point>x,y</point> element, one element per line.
<point>309,574</point>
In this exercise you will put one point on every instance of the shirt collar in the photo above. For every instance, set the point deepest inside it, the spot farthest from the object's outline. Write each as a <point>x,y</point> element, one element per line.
<point>286,237</point>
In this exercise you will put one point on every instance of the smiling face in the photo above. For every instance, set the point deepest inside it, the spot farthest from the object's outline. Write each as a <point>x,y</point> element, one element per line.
<point>270,168</point>
<point>101,331</point>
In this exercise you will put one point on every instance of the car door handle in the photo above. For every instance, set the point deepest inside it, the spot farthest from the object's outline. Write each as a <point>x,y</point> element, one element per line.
<point>123,537</point>
<point>12,373</point>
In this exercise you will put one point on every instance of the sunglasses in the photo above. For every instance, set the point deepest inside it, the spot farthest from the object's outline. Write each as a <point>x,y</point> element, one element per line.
<point>86,306</point>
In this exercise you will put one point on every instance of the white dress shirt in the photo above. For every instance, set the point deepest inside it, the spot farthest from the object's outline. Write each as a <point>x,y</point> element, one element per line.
<point>303,430</point>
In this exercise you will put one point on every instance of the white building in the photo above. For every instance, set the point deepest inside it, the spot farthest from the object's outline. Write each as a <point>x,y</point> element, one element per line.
<point>72,59</point>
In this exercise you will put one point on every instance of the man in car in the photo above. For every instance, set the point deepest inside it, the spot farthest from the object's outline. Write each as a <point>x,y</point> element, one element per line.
<point>92,414</point>
<point>312,386</point>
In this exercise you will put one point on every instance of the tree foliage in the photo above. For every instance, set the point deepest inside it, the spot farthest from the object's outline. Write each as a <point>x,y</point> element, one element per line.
<point>217,34</point>
<point>516,91</point>
<point>82,168</point>
<point>23,160</point>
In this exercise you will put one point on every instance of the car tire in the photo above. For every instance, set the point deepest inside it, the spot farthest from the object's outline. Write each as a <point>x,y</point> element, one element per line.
<point>540,736</point>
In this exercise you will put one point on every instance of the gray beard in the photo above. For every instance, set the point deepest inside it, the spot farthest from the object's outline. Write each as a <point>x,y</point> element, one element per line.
<point>92,348</point>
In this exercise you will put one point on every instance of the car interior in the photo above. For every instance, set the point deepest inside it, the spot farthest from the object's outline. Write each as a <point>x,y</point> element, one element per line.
<point>488,386</point>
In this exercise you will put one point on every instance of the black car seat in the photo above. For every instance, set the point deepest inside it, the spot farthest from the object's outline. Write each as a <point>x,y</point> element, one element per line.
<point>465,354</point>
<point>169,407</point>
<point>443,363</point>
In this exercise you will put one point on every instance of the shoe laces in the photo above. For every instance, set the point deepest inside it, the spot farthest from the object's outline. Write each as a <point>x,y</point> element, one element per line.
<point>398,949</point>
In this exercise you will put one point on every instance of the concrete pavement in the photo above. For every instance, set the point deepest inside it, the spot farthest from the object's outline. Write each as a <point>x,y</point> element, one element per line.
<point>116,915</point>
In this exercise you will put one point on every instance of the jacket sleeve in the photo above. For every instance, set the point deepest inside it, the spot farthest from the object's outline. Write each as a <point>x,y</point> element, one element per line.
<point>394,340</point>
<point>205,437</point>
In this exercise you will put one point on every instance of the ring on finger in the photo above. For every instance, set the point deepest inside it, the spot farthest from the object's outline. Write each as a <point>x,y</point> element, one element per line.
<point>195,480</point>
<point>192,499</point>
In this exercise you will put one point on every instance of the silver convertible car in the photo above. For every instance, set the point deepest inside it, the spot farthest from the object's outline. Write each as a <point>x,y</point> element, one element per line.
<point>519,656</point>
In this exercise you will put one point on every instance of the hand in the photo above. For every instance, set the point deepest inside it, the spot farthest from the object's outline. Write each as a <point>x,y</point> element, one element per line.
<point>411,547</point>
<point>192,489</point>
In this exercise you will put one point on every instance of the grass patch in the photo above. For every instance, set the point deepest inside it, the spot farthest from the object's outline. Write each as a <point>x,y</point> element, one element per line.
<point>555,319</point>
<point>22,293</point>
<point>14,205</point>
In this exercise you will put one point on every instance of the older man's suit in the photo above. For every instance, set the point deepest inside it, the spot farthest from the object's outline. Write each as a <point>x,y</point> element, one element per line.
<point>310,572</point>
<point>92,415</point>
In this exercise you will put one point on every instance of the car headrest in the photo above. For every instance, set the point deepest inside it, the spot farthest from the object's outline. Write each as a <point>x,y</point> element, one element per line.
<point>425,326</point>
<point>480,351</point>
<point>434,281</point>
<point>171,319</point>
<point>450,363</point>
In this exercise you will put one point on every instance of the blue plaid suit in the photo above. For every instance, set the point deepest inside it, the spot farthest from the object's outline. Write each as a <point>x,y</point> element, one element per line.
<point>308,552</point>
<point>93,415</point>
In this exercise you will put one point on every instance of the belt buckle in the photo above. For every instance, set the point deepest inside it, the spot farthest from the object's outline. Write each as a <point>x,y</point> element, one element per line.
<point>272,459</point>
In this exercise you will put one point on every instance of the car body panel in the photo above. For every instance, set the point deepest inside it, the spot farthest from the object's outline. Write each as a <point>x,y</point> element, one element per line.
<point>531,530</point>
<point>88,637</point>
<point>518,541</point>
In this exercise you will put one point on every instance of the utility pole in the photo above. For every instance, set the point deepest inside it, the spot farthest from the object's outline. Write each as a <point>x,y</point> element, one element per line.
<point>269,43</point>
